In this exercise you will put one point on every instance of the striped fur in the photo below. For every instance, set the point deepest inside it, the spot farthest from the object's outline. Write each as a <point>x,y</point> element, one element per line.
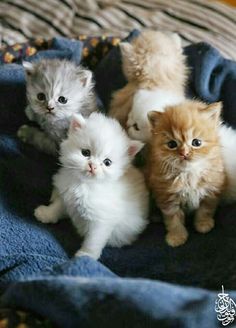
<point>194,20</point>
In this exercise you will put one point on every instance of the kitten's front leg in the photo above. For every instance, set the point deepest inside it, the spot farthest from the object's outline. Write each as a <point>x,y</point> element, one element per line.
<point>95,240</point>
<point>53,212</point>
<point>37,138</point>
<point>204,221</point>
<point>174,221</point>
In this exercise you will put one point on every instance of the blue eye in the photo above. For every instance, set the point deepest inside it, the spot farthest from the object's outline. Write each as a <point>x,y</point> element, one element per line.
<point>62,100</point>
<point>196,142</point>
<point>107,162</point>
<point>172,144</point>
<point>86,152</point>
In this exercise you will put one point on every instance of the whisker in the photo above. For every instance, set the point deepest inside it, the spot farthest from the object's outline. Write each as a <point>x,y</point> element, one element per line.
<point>67,166</point>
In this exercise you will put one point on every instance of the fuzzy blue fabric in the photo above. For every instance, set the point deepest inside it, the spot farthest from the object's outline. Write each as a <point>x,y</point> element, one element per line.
<point>148,284</point>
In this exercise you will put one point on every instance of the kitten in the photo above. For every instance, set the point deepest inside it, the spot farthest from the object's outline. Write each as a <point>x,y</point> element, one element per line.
<point>154,66</point>
<point>105,196</point>
<point>186,170</point>
<point>56,89</point>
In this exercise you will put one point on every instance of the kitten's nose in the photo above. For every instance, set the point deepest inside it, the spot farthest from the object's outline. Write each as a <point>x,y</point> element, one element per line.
<point>184,154</point>
<point>92,168</point>
<point>50,108</point>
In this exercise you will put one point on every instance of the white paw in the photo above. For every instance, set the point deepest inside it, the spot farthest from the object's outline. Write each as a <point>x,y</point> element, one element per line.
<point>81,253</point>
<point>45,215</point>
<point>25,133</point>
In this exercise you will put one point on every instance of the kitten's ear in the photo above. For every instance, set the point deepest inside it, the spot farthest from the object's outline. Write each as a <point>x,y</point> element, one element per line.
<point>85,76</point>
<point>77,122</point>
<point>177,40</point>
<point>154,117</point>
<point>29,67</point>
<point>126,49</point>
<point>134,147</point>
<point>213,112</point>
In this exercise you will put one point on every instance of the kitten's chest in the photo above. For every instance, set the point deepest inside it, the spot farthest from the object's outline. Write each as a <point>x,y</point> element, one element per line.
<point>85,201</point>
<point>57,131</point>
<point>190,190</point>
<point>78,200</point>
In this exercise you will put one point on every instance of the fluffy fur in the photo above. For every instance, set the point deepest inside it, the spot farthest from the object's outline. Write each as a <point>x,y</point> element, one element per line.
<point>227,137</point>
<point>56,89</point>
<point>155,68</point>
<point>144,101</point>
<point>107,204</point>
<point>185,174</point>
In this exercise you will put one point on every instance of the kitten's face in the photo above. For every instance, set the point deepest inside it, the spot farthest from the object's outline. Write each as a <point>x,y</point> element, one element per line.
<point>56,89</point>
<point>186,134</point>
<point>138,126</point>
<point>98,148</point>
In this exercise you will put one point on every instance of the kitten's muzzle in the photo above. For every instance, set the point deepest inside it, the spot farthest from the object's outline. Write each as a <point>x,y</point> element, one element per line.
<point>184,155</point>
<point>50,109</point>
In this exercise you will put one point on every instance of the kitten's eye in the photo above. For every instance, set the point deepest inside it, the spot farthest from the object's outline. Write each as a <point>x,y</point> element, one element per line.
<point>196,142</point>
<point>62,100</point>
<point>86,152</point>
<point>107,162</point>
<point>41,96</point>
<point>172,144</point>
<point>135,126</point>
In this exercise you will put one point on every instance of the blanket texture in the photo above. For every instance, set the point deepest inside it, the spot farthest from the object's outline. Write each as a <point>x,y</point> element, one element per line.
<point>147,284</point>
<point>195,20</point>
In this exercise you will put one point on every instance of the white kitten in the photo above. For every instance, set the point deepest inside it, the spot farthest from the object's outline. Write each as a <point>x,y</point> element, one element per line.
<point>56,89</point>
<point>138,126</point>
<point>228,142</point>
<point>97,186</point>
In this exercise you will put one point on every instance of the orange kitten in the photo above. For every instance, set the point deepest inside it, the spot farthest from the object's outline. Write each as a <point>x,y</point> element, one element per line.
<point>185,168</point>
<point>154,66</point>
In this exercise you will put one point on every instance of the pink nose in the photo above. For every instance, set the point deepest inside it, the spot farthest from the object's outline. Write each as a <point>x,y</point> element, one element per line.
<point>183,154</point>
<point>92,168</point>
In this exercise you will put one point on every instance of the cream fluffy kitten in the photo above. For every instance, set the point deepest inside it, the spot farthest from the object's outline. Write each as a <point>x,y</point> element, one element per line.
<point>56,89</point>
<point>97,186</point>
<point>154,66</point>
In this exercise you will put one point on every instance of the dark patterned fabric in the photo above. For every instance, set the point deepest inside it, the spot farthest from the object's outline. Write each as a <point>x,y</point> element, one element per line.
<point>195,20</point>
<point>19,319</point>
<point>94,49</point>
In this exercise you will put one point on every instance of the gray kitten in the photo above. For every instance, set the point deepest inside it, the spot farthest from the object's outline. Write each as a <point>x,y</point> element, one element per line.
<point>56,89</point>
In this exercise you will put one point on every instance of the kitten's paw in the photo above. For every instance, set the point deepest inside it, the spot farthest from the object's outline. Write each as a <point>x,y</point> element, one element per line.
<point>81,253</point>
<point>204,225</point>
<point>177,237</point>
<point>24,133</point>
<point>45,215</point>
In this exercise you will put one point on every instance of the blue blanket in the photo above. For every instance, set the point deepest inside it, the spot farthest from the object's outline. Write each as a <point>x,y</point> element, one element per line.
<point>147,284</point>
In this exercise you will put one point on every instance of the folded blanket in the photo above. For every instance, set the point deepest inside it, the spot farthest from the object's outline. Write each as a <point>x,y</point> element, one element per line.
<point>147,284</point>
